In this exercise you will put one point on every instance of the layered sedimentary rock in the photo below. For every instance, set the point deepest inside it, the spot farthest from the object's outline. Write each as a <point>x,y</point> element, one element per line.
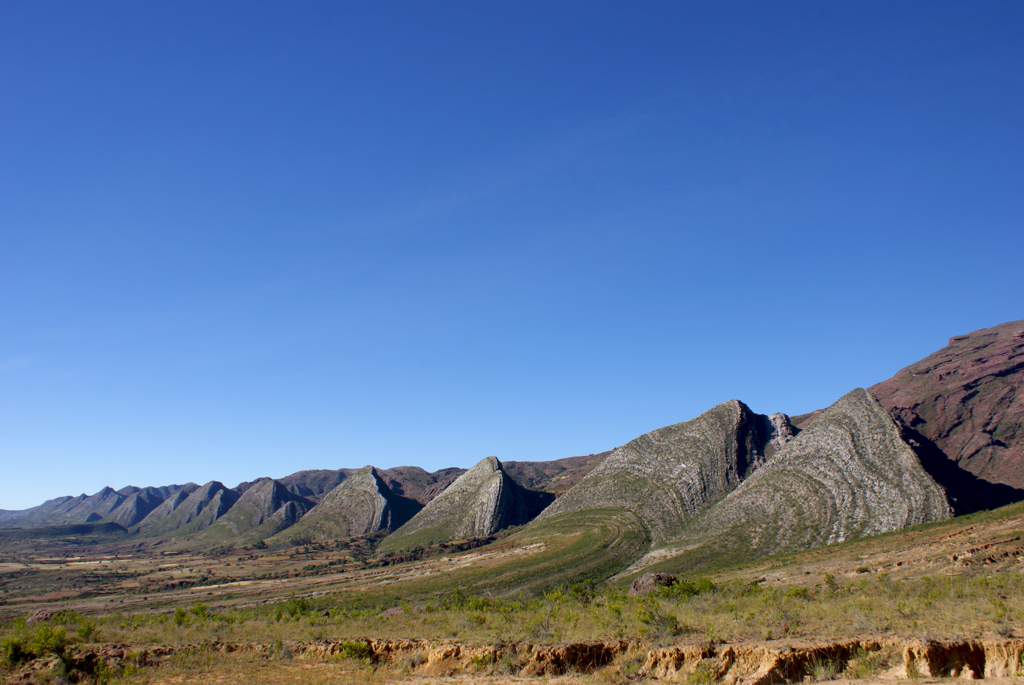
<point>136,506</point>
<point>265,508</point>
<point>363,504</point>
<point>482,501</point>
<point>669,475</point>
<point>848,475</point>
<point>196,512</point>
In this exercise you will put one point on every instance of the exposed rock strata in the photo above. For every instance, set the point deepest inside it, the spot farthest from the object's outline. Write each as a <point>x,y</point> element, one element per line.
<point>266,508</point>
<point>744,663</point>
<point>361,505</point>
<point>850,474</point>
<point>670,475</point>
<point>196,512</point>
<point>482,501</point>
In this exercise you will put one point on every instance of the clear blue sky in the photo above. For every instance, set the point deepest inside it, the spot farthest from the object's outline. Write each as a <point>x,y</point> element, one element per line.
<point>246,238</point>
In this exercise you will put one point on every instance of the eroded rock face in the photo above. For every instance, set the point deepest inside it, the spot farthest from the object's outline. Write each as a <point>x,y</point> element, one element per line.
<point>848,475</point>
<point>198,511</point>
<point>669,475</point>
<point>265,508</point>
<point>746,663</point>
<point>361,505</point>
<point>966,401</point>
<point>482,501</point>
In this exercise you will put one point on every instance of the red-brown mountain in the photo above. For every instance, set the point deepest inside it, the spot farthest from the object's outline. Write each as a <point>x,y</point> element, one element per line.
<point>963,410</point>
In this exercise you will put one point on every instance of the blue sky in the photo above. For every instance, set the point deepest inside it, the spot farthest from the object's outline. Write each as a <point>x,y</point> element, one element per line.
<point>243,239</point>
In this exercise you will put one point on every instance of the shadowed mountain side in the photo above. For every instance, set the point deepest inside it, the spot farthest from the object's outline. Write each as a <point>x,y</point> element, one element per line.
<point>966,492</point>
<point>136,507</point>
<point>265,508</point>
<point>553,476</point>
<point>408,481</point>
<point>196,512</point>
<point>482,501</point>
<point>670,474</point>
<point>849,475</point>
<point>966,400</point>
<point>361,505</point>
<point>417,484</point>
<point>105,504</point>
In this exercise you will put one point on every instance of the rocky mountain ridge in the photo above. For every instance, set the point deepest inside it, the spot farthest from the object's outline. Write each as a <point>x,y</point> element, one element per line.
<point>669,475</point>
<point>943,436</point>
<point>480,502</point>
<point>848,475</point>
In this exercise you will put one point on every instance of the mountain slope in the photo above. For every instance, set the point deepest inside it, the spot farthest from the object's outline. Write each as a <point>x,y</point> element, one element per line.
<point>965,404</point>
<point>136,507</point>
<point>264,509</point>
<point>482,501</point>
<point>192,514</point>
<point>361,505</point>
<point>670,474</point>
<point>554,476</point>
<point>850,474</point>
<point>418,484</point>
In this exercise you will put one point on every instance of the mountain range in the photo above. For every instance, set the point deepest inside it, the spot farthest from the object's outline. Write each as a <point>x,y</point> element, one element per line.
<point>944,436</point>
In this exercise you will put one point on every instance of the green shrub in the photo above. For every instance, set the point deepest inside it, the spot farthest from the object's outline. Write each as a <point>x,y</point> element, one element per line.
<point>13,651</point>
<point>356,650</point>
<point>47,640</point>
<point>85,631</point>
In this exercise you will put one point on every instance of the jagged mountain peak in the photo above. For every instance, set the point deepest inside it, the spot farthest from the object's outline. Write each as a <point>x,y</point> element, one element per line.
<point>361,505</point>
<point>670,474</point>
<point>849,474</point>
<point>480,502</point>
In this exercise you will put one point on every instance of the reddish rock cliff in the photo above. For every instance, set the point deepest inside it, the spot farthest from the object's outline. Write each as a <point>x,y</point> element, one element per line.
<point>966,402</point>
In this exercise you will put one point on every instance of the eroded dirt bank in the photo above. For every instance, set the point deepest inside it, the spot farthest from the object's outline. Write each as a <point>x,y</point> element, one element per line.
<point>746,663</point>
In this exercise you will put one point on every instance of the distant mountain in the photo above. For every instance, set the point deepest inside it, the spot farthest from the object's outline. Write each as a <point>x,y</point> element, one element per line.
<point>196,512</point>
<point>361,505</point>
<point>482,501</point>
<point>85,508</point>
<point>264,509</point>
<point>848,475</point>
<point>417,484</point>
<point>136,506</point>
<point>669,475</point>
<point>555,476</point>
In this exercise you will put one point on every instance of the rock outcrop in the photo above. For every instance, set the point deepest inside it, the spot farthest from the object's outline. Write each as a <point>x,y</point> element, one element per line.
<point>671,474</point>
<point>745,663</point>
<point>482,501</point>
<point>198,511</point>
<point>848,475</point>
<point>264,509</point>
<point>136,506</point>
<point>361,505</point>
<point>965,405</point>
<point>649,582</point>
